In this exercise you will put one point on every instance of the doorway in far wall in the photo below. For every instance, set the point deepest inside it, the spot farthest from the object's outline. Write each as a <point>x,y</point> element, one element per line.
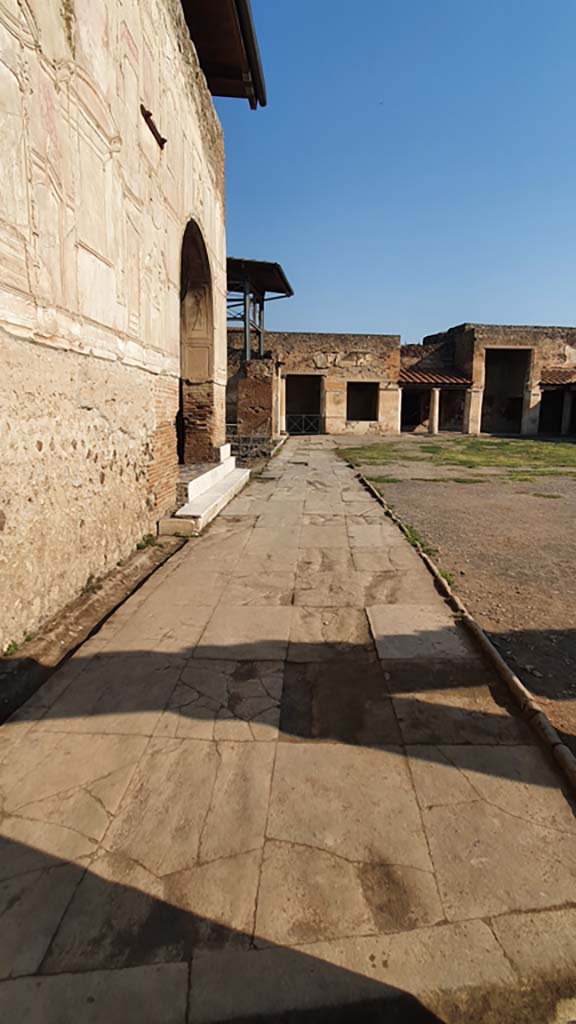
<point>303,403</point>
<point>551,409</point>
<point>415,410</point>
<point>506,373</point>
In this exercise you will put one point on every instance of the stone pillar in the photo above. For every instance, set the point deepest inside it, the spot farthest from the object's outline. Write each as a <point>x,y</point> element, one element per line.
<point>473,410</point>
<point>282,391</point>
<point>434,416</point>
<point>389,400</point>
<point>567,412</point>
<point>334,405</point>
<point>531,411</point>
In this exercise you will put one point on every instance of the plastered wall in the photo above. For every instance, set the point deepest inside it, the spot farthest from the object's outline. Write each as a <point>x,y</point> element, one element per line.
<point>92,215</point>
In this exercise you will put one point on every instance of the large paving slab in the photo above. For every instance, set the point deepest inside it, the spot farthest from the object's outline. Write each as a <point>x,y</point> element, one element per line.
<point>279,783</point>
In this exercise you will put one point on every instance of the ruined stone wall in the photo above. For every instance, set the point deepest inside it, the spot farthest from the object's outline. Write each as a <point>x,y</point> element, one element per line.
<point>92,215</point>
<point>257,397</point>
<point>337,359</point>
<point>551,346</point>
<point>438,356</point>
<point>349,356</point>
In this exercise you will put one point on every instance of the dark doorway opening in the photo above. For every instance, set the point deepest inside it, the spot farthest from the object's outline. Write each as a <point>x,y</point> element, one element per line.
<point>506,372</point>
<point>452,410</point>
<point>415,409</point>
<point>551,408</point>
<point>303,404</point>
<point>362,401</point>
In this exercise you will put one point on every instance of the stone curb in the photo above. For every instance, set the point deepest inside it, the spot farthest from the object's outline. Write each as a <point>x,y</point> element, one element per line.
<point>531,711</point>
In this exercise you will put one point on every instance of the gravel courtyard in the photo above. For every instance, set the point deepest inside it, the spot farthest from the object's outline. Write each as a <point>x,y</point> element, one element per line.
<point>499,516</point>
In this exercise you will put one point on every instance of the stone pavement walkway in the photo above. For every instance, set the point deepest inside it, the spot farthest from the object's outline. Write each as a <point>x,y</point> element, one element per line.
<point>280,784</point>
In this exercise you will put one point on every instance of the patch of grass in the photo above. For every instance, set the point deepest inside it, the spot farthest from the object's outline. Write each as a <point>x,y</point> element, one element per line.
<point>148,541</point>
<point>11,649</point>
<point>517,454</point>
<point>447,576</point>
<point>427,447</point>
<point>416,540</point>
<point>378,454</point>
<point>536,494</point>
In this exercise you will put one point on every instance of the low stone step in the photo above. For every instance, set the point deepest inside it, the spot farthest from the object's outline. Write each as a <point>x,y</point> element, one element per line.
<point>202,509</point>
<point>202,482</point>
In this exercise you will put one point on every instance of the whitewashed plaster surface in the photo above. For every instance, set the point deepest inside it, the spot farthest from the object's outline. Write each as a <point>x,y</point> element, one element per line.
<point>92,214</point>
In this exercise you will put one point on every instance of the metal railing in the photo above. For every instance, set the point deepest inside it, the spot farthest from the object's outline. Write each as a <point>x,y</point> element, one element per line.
<point>255,445</point>
<point>303,423</point>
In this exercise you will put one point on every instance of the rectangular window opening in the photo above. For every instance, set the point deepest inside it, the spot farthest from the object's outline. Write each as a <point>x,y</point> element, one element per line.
<point>362,401</point>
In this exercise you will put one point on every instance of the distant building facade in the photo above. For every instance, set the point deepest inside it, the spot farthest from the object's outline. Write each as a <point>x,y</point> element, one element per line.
<point>473,378</point>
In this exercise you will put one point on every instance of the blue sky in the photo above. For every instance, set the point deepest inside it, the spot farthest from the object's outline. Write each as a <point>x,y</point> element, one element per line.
<point>415,166</point>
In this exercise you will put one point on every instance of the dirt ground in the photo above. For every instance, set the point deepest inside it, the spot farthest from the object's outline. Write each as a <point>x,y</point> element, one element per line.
<point>506,538</point>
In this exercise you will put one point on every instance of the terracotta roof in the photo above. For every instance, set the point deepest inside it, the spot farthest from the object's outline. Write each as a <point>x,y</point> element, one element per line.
<point>558,376</point>
<point>434,377</point>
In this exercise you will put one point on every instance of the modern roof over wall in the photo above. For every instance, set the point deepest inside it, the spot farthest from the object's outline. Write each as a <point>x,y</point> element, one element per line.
<point>224,35</point>
<point>433,377</point>
<point>558,376</point>
<point>263,277</point>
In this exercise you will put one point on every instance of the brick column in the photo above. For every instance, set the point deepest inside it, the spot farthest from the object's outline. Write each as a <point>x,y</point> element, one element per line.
<point>434,416</point>
<point>257,388</point>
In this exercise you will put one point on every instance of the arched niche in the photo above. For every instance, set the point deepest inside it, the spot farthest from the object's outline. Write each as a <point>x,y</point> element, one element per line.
<point>196,416</point>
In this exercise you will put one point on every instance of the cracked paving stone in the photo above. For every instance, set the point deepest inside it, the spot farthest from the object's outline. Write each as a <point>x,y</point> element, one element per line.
<point>224,814</point>
<point>347,589</point>
<point>60,793</point>
<point>318,634</point>
<point>225,700</point>
<point>417,632</point>
<point>324,560</point>
<point>309,895</point>
<point>324,536</point>
<point>122,915</point>
<point>489,863</point>
<point>271,538</point>
<point>154,826</point>
<point>452,702</point>
<point>384,559</point>
<point>518,780</point>
<point>155,993</point>
<point>354,802</point>
<point>341,700</point>
<point>352,977</point>
<point>118,693</point>
<point>244,634</point>
<point>31,907</point>
<point>259,590</point>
